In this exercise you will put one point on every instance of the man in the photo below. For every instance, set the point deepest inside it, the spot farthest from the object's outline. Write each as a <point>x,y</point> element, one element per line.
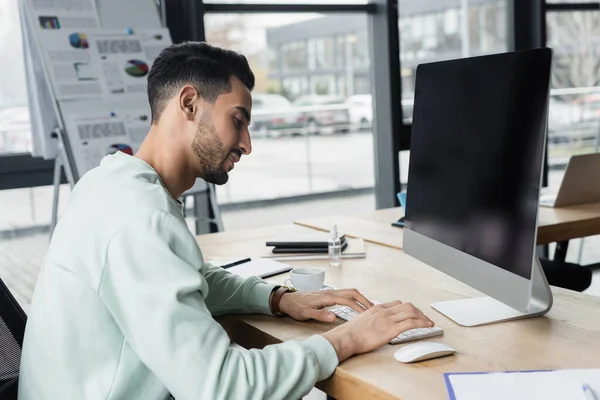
<point>124,305</point>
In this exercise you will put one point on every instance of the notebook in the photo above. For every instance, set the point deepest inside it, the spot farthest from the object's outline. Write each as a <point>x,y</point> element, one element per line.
<point>355,249</point>
<point>261,267</point>
<point>312,240</point>
<point>300,249</point>
<point>522,385</point>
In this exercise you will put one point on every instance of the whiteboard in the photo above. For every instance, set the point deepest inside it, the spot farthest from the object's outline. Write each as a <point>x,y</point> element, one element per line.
<point>96,129</point>
<point>124,58</point>
<point>41,21</point>
<point>42,107</point>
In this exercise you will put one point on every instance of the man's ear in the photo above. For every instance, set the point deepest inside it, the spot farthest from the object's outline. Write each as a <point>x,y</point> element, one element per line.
<point>188,102</point>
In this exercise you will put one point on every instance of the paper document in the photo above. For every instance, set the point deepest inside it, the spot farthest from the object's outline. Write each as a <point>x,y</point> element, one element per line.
<point>97,133</point>
<point>43,117</point>
<point>62,29</point>
<point>523,385</point>
<point>124,59</point>
<point>260,267</point>
<point>136,14</point>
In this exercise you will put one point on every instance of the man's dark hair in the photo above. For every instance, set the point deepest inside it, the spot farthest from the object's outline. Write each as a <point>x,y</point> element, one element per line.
<point>208,68</point>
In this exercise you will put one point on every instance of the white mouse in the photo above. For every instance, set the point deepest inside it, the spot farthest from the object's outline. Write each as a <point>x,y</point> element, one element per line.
<point>422,351</point>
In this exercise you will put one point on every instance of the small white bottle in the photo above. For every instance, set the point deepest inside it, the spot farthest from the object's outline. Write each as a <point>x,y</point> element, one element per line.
<point>335,248</point>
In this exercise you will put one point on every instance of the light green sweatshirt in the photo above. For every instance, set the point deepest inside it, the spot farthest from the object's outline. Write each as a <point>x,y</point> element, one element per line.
<point>124,305</point>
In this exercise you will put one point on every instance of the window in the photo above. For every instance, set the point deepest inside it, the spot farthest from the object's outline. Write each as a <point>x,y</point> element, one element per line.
<point>287,1</point>
<point>15,131</point>
<point>434,30</point>
<point>360,49</point>
<point>295,87</point>
<point>574,112</point>
<point>451,21</point>
<point>306,137</point>
<point>571,1</point>
<point>340,50</point>
<point>294,56</point>
<point>324,53</point>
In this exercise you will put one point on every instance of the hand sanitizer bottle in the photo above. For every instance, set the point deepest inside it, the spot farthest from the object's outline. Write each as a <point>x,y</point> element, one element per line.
<point>335,248</point>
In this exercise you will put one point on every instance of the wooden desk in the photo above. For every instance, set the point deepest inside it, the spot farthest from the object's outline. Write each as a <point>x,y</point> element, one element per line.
<point>566,223</point>
<point>568,337</point>
<point>555,224</point>
<point>374,227</point>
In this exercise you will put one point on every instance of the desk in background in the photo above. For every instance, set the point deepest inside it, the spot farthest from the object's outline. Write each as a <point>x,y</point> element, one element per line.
<point>568,337</point>
<point>555,224</point>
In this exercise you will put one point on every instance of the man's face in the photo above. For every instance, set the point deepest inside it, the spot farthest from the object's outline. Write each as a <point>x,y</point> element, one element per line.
<point>222,135</point>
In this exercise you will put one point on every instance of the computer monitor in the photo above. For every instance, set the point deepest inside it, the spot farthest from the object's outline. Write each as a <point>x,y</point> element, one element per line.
<point>477,149</point>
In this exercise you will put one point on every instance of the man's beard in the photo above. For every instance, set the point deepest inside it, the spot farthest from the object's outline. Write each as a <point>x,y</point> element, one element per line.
<point>209,149</point>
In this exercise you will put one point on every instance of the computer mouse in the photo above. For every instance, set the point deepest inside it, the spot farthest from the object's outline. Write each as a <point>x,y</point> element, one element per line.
<point>422,351</point>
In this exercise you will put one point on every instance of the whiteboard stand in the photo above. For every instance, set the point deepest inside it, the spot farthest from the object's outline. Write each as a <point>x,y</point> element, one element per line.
<point>61,162</point>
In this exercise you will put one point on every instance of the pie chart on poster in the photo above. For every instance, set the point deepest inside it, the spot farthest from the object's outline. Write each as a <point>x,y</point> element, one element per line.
<point>113,148</point>
<point>79,40</point>
<point>136,68</point>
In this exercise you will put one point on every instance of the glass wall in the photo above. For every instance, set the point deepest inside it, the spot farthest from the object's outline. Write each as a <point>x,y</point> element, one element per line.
<point>574,117</point>
<point>15,133</point>
<point>438,30</point>
<point>312,109</point>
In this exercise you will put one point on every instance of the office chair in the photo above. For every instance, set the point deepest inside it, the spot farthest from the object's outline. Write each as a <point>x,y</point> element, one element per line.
<point>568,275</point>
<point>12,330</point>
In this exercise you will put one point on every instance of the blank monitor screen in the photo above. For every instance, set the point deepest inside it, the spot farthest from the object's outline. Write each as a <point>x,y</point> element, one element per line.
<point>477,147</point>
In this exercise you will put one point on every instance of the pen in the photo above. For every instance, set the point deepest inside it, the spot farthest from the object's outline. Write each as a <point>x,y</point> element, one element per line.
<point>588,392</point>
<point>245,260</point>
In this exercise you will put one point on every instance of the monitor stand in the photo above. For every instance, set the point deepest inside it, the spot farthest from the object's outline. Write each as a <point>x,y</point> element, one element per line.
<point>486,310</point>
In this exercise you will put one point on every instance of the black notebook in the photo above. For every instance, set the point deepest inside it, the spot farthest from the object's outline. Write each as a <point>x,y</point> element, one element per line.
<point>314,250</point>
<point>311,242</point>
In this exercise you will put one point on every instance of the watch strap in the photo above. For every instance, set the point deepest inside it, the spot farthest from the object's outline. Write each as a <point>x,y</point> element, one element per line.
<point>278,292</point>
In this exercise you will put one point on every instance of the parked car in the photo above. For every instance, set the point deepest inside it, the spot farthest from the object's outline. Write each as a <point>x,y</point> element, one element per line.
<point>324,113</point>
<point>360,109</point>
<point>273,115</point>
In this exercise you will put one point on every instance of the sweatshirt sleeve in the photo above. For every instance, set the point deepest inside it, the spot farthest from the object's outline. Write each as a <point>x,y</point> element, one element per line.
<point>232,294</point>
<point>152,287</point>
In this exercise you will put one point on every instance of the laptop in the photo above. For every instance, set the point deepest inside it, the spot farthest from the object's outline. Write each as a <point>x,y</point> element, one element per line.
<point>402,200</point>
<point>580,184</point>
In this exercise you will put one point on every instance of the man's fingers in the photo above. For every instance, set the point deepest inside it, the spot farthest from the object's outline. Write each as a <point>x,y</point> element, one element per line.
<point>409,314</point>
<point>413,323</point>
<point>390,304</point>
<point>402,307</point>
<point>344,301</point>
<point>322,315</point>
<point>406,311</point>
<point>356,296</point>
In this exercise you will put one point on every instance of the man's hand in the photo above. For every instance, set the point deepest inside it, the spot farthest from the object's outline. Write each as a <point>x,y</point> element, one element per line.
<point>375,327</point>
<point>308,305</point>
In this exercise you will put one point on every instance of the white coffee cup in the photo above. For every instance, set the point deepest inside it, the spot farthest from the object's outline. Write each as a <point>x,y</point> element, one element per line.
<point>307,279</point>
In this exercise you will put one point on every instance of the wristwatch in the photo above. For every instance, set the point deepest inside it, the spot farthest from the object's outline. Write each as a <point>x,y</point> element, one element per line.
<point>276,294</point>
